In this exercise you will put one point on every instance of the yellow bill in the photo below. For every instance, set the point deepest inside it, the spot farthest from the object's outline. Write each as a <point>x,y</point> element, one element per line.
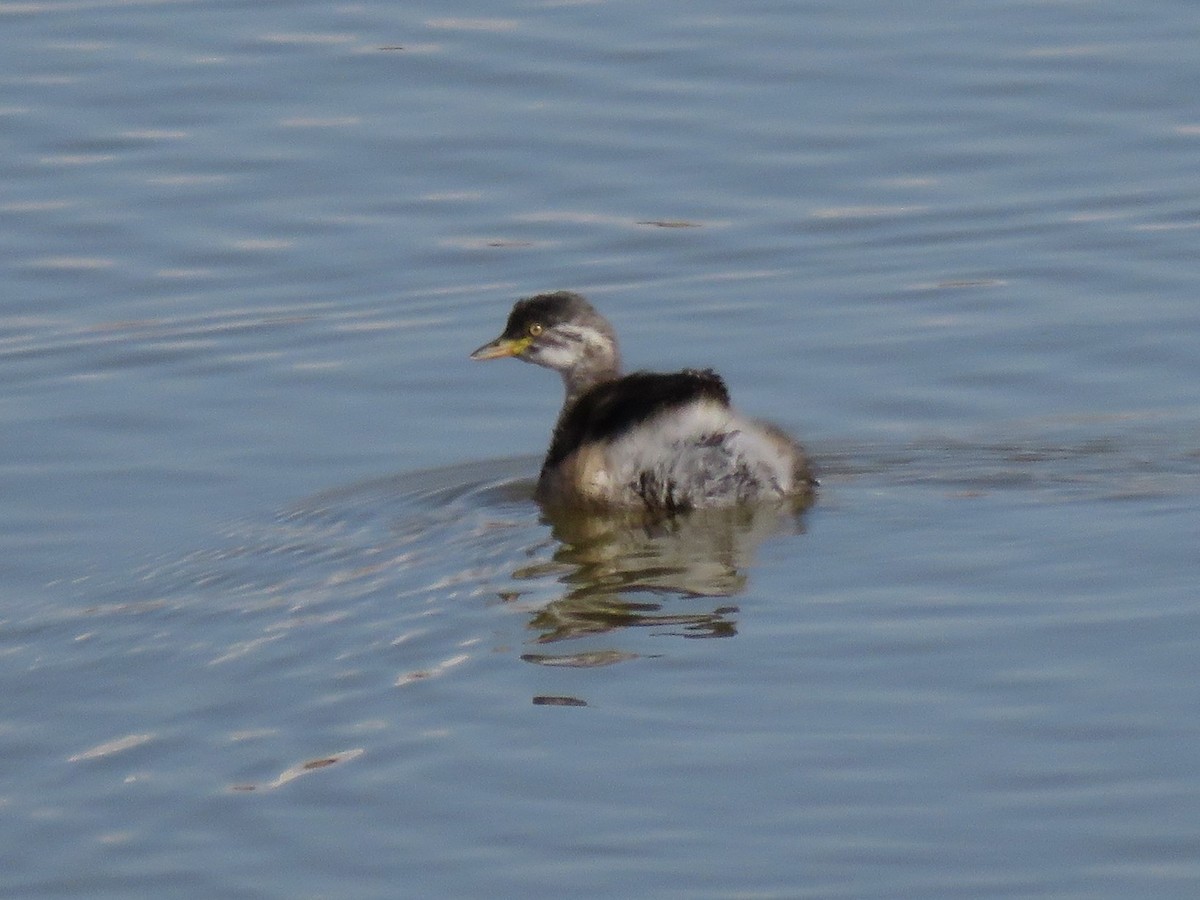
<point>502,347</point>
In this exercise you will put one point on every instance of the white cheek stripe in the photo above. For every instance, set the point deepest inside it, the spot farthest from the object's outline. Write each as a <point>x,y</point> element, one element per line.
<point>564,345</point>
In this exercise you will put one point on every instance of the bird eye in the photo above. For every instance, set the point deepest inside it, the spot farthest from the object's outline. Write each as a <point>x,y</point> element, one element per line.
<point>534,329</point>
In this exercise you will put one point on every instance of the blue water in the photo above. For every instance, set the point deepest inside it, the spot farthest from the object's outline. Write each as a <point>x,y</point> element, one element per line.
<point>278,616</point>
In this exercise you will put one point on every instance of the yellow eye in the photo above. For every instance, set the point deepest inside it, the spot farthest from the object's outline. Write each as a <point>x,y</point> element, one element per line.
<point>534,329</point>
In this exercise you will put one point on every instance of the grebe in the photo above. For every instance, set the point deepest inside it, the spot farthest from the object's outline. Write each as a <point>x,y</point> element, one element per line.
<point>659,441</point>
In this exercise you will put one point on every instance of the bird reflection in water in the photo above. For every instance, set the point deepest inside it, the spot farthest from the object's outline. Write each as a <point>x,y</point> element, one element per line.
<point>621,569</point>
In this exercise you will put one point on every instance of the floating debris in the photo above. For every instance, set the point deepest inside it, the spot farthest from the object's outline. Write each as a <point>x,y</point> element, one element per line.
<point>294,772</point>
<point>543,700</point>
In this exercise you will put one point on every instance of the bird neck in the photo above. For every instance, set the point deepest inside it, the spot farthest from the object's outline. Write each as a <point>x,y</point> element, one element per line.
<point>595,367</point>
<point>569,428</point>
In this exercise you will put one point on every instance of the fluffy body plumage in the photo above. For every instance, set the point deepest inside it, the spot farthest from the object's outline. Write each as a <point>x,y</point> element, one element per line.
<point>660,441</point>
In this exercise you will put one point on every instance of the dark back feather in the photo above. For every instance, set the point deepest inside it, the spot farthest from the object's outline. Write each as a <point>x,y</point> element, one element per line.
<point>612,408</point>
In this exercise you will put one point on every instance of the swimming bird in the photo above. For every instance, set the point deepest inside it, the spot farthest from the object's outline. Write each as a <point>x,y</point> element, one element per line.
<point>661,441</point>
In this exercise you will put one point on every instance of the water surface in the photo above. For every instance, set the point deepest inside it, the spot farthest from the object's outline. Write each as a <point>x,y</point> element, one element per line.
<point>278,617</point>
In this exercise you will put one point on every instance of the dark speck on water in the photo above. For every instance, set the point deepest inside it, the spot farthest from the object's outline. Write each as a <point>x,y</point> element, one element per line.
<point>558,701</point>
